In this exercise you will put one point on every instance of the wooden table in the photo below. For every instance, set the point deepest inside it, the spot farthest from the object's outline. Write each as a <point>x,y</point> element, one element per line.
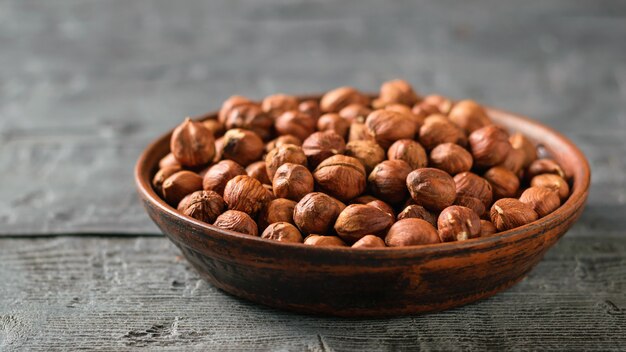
<point>84,86</point>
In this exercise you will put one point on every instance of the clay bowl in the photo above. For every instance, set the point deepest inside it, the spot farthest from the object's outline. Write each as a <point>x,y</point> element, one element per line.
<point>374,282</point>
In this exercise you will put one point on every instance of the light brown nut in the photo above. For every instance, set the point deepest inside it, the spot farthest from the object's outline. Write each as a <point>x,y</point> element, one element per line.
<point>514,161</point>
<point>250,117</point>
<point>292,181</point>
<point>469,116</point>
<point>432,188</point>
<point>258,170</point>
<point>276,104</point>
<point>162,175</point>
<point>410,151</point>
<point>411,232</point>
<point>451,158</point>
<point>320,146</point>
<point>472,185</point>
<point>277,210</point>
<point>417,212</point>
<point>333,122</point>
<point>229,104</point>
<point>355,113</point>
<point>180,184</point>
<point>316,213</point>
<point>553,182</point>
<point>324,241</point>
<point>369,241</point>
<point>282,232</point>
<point>218,175</point>
<point>287,153</point>
<point>504,183</point>
<point>311,108</point>
<point>237,221</point>
<point>242,146</point>
<point>192,144</point>
<point>457,223</point>
<point>339,98</point>
<point>509,213</point>
<point>358,220</point>
<point>487,228</point>
<point>388,181</point>
<point>471,202</point>
<point>246,194</point>
<point>282,140</point>
<point>202,205</point>
<point>521,142</point>
<point>389,126</point>
<point>543,200</point>
<point>544,166</point>
<point>368,152</point>
<point>489,145</point>
<point>439,131</point>
<point>341,176</point>
<point>168,161</point>
<point>398,91</point>
<point>296,123</point>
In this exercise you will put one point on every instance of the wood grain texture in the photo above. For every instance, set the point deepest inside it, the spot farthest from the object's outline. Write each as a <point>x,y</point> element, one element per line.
<point>84,86</point>
<point>125,293</point>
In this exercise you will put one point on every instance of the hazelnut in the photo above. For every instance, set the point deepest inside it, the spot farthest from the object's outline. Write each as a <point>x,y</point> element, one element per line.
<point>451,158</point>
<point>161,176</point>
<point>237,221</point>
<point>316,213</point>
<point>242,146</point>
<point>384,207</point>
<point>410,151</point>
<point>169,160</point>
<point>359,132</point>
<point>514,161</point>
<point>180,184</point>
<point>319,146</point>
<point>487,228</point>
<point>405,110</point>
<point>219,149</point>
<point>509,213</point>
<point>471,202</point>
<point>411,232</point>
<point>333,122</point>
<point>339,98</point>
<point>295,123</point>
<point>287,153</point>
<point>472,185</point>
<point>282,232</point>
<point>388,180</point>
<point>250,117</point>
<point>457,223</point>
<point>355,113</point>
<point>341,176</point>
<point>258,170</point>
<point>417,212</point>
<point>229,104</point>
<point>398,91</point>
<point>358,220</point>
<point>432,188</point>
<point>389,126</point>
<point>544,166</point>
<point>218,175</point>
<point>440,118</point>
<point>469,116</point>
<point>424,109</point>
<point>278,210</point>
<point>276,104</point>
<point>551,181</point>
<point>215,126</point>
<point>202,205</point>
<point>369,241</point>
<point>292,181</point>
<point>192,144</point>
<point>369,153</point>
<point>521,142</point>
<point>282,140</point>
<point>311,108</point>
<point>490,145</point>
<point>324,241</point>
<point>439,131</point>
<point>504,183</point>
<point>543,200</point>
<point>246,194</point>
<point>443,104</point>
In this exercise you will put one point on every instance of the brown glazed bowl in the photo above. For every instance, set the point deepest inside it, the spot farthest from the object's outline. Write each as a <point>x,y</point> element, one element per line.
<point>342,281</point>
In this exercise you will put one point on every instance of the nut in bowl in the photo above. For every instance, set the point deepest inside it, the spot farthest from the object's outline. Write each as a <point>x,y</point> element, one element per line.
<point>358,241</point>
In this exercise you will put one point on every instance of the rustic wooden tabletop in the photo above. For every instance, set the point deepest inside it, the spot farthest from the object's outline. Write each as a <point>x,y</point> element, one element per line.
<point>84,86</point>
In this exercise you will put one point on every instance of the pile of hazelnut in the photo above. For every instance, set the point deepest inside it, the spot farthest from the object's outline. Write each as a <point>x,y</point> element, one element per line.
<point>351,170</point>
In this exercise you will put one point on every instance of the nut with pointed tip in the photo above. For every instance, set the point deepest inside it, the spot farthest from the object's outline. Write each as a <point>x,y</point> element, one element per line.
<point>411,232</point>
<point>341,176</point>
<point>282,232</point>
<point>276,104</point>
<point>316,213</point>
<point>388,181</point>
<point>237,221</point>
<point>417,212</point>
<point>439,131</point>
<point>242,146</point>
<point>368,152</point>
<point>246,194</point>
<point>398,91</point>
<point>504,183</point>
<point>202,205</point>
<point>432,188</point>
<point>457,223</point>
<point>250,117</point>
<point>287,153</point>
<point>333,122</point>
<point>218,175</point>
<point>410,151</point>
<point>553,182</point>
<point>369,241</point>
<point>277,210</point>
<point>471,185</point>
<point>320,146</point>
<point>489,145</point>
<point>389,126</point>
<point>521,142</point>
<point>509,213</point>
<point>358,220</point>
<point>192,144</point>
<point>339,98</point>
<point>258,170</point>
<point>544,166</point>
<point>296,123</point>
<point>543,200</point>
<point>292,181</point>
<point>324,241</point>
<point>180,184</point>
<point>469,116</point>
<point>451,158</point>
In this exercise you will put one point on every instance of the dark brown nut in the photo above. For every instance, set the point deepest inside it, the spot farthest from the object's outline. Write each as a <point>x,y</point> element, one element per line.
<point>282,232</point>
<point>359,132</point>
<point>333,122</point>
<point>258,170</point>
<point>369,241</point>
<point>324,241</point>
<point>398,91</point>
<point>339,98</point>
<point>242,146</point>
<point>278,210</point>
<point>316,213</point>
<point>161,176</point>
<point>295,123</point>
<point>202,205</point>
<point>411,232</point>
<point>509,213</point>
<point>388,181</point>
<point>311,108</point>
<point>237,221</point>
<point>341,176</point>
<point>250,117</point>
<point>215,126</point>
<point>471,202</point>
<point>218,175</point>
<point>469,116</point>
<point>389,126</point>
<point>551,181</point>
<point>320,146</point>
<point>543,200</point>
<point>246,194</point>
<point>368,152</point>
<point>409,151</point>
<point>519,141</point>
<point>443,104</point>
<point>439,131</point>
<point>355,113</point>
<point>544,166</point>
<point>292,181</point>
<point>514,161</point>
<point>229,104</point>
<point>504,183</point>
<point>358,220</point>
<point>471,185</point>
<point>457,223</point>
<point>490,145</point>
<point>451,158</point>
<point>487,228</point>
<point>287,153</point>
<point>432,188</point>
<point>282,140</point>
<point>417,212</point>
<point>180,184</point>
<point>192,144</point>
<point>276,104</point>
<point>169,160</point>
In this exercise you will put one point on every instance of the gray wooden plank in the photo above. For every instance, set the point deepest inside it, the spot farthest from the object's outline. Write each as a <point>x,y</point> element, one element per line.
<point>84,86</point>
<point>124,293</point>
